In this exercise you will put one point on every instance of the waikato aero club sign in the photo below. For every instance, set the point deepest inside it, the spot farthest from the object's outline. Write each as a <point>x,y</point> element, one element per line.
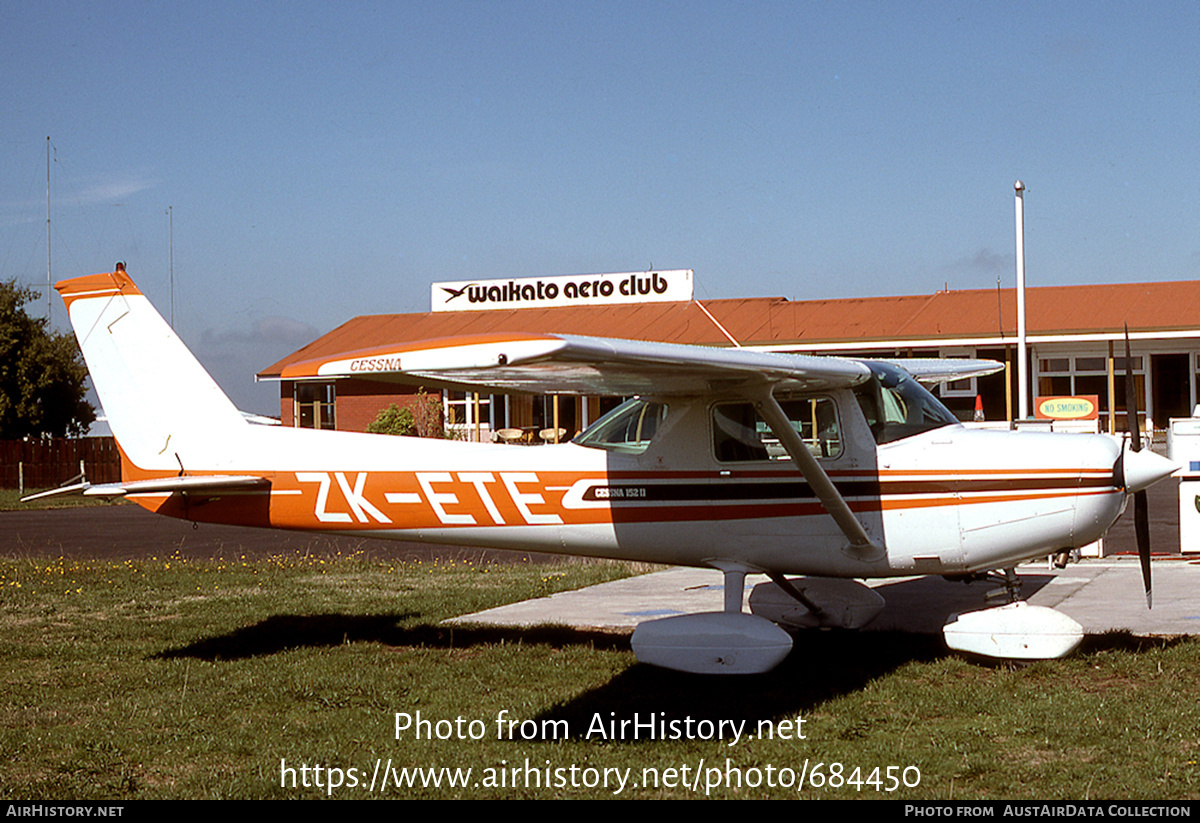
<point>565,290</point>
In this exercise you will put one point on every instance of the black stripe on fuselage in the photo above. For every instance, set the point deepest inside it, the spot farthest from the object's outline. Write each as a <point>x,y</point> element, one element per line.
<point>724,491</point>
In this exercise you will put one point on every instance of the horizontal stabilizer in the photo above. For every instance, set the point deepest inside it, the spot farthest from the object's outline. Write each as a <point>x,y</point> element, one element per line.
<point>192,484</point>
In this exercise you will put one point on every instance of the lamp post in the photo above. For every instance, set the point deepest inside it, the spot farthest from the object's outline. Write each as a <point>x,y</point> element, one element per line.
<point>1022,355</point>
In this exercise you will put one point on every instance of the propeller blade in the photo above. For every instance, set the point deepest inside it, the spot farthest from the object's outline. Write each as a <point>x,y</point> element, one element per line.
<point>1141,512</point>
<point>1141,527</point>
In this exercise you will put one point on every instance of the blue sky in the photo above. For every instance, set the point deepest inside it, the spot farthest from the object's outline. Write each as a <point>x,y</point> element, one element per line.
<point>329,160</point>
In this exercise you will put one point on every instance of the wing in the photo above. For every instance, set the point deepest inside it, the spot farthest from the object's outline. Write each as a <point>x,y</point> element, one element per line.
<point>568,364</point>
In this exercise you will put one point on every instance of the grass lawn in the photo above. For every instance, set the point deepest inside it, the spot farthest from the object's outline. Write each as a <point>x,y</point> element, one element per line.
<point>172,678</point>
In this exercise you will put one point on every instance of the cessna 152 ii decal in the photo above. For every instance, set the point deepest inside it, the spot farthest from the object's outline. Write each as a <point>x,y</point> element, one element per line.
<point>742,461</point>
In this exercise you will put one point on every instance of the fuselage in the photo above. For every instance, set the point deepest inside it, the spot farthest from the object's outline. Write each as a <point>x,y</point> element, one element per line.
<point>738,463</point>
<point>948,500</point>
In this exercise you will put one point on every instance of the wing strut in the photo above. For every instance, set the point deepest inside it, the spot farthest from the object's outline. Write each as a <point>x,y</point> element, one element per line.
<point>861,546</point>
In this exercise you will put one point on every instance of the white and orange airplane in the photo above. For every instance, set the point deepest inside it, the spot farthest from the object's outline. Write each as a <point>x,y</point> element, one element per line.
<point>745,462</point>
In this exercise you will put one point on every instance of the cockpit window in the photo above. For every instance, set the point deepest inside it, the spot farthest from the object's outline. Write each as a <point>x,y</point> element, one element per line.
<point>628,428</point>
<point>897,406</point>
<point>740,434</point>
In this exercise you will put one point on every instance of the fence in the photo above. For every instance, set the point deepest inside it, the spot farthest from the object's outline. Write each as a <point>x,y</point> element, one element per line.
<point>42,464</point>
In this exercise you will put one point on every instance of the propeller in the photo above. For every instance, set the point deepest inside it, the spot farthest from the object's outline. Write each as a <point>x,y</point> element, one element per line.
<point>1141,511</point>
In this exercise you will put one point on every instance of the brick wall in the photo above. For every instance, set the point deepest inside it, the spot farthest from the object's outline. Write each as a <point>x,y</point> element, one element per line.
<point>287,404</point>
<point>360,401</point>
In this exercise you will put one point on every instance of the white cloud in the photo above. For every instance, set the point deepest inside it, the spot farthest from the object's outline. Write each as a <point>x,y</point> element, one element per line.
<point>111,188</point>
<point>96,189</point>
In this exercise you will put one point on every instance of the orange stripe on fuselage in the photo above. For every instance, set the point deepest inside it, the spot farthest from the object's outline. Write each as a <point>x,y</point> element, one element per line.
<point>379,501</point>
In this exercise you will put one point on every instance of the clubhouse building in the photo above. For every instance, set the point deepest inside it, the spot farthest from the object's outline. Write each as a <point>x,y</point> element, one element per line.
<point>1075,337</point>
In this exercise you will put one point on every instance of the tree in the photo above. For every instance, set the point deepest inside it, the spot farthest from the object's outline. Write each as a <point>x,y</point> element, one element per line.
<point>393,420</point>
<point>428,413</point>
<point>42,373</point>
<point>423,419</point>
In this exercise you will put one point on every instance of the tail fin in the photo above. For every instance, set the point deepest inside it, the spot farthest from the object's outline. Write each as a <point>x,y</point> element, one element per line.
<point>165,411</point>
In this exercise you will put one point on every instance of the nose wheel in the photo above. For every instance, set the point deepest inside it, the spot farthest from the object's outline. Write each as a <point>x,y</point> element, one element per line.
<point>1014,630</point>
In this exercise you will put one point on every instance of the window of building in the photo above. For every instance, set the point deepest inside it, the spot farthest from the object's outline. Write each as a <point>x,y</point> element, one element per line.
<point>464,416</point>
<point>314,405</point>
<point>1196,378</point>
<point>1088,375</point>
<point>967,387</point>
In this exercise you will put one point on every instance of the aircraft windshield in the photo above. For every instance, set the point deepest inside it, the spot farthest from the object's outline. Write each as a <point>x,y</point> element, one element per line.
<point>628,428</point>
<point>897,406</point>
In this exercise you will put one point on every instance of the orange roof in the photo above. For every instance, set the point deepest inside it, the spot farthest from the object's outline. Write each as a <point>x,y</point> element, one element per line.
<point>979,313</point>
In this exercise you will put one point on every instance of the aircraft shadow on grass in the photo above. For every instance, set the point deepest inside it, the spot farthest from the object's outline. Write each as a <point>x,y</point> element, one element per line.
<point>823,664</point>
<point>289,631</point>
<point>292,631</point>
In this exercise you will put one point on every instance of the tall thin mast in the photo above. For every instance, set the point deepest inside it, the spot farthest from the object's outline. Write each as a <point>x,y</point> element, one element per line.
<point>1022,352</point>
<point>171,257</point>
<point>48,280</point>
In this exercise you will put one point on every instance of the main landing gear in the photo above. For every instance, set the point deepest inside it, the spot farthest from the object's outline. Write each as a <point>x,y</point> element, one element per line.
<point>733,642</point>
<point>724,642</point>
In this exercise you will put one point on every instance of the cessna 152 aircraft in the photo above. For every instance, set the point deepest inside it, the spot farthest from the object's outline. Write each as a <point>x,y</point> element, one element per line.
<point>742,461</point>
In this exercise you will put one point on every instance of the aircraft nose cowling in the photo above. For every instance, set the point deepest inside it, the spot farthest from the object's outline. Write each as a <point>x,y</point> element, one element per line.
<point>1141,470</point>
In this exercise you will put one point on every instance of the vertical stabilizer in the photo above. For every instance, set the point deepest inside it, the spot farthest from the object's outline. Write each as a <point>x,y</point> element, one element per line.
<point>165,411</point>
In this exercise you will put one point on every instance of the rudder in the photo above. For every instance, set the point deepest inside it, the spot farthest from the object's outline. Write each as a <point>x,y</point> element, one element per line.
<point>164,409</point>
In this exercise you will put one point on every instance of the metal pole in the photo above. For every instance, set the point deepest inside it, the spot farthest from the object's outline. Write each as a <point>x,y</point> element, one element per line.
<point>1112,391</point>
<point>171,257</point>
<point>1008,384</point>
<point>1022,355</point>
<point>48,280</point>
